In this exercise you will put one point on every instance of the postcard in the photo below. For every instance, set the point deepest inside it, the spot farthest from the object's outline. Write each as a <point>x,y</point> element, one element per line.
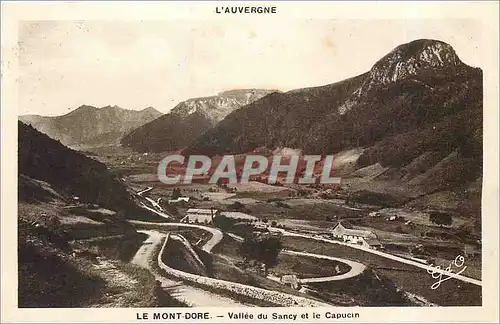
<point>250,162</point>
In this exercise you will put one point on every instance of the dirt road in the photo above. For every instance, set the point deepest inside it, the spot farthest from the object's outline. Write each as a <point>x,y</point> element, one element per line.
<point>217,235</point>
<point>177,289</point>
<point>356,267</point>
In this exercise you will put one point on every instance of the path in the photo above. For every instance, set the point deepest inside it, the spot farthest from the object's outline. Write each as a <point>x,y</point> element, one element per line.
<point>148,189</point>
<point>158,210</point>
<point>356,267</point>
<point>217,235</point>
<point>177,289</point>
<point>236,237</point>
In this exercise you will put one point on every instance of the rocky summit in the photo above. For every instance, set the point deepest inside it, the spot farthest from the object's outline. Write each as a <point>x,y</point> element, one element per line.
<point>406,61</point>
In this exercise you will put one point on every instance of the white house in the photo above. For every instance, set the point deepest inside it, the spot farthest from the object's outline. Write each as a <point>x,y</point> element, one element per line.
<point>355,236</point>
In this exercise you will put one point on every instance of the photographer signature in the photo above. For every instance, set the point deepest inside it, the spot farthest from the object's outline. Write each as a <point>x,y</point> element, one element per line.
<point>437,273</point>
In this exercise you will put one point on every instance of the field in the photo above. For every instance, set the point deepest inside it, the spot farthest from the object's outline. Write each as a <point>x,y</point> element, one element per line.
<point>307,267</point>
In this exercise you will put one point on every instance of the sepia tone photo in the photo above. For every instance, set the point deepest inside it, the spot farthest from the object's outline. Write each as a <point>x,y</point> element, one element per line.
<point>321,163</point>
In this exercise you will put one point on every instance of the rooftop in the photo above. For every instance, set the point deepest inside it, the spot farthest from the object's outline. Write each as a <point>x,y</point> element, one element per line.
<point>372,241</point>
<point>361,233</point>
<point>201,211</point>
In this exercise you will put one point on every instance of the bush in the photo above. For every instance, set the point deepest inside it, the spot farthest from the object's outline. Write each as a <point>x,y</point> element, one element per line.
<point>440,218</point>
<point>264,249</point>
<point>224,223</point>
<point>282,204</point>
<point>236,206</point>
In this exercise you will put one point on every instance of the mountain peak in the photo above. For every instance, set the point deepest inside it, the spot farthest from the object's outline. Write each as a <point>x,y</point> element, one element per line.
<point>217,107</point>
<point>83,109</point>
<point>189,119</point>
<point>406,60</point>
<point>92,126</point>
<point>428,50</point>
<point>412,58</point>
<point>150,111</point>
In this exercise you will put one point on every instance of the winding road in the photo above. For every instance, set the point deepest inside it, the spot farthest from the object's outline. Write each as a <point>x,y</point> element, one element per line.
<point>191,296</point>
<point>217,235</point>
<point>356,267</point>
<point>380,253</point>
<point>198,297</point>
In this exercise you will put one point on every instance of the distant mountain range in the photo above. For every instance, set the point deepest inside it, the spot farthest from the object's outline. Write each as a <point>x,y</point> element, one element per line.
<point>188,120</point>
<point>91,126</point>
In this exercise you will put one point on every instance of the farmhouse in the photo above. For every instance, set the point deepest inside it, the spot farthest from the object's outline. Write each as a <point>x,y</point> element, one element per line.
<point>203,216</point>
<point>350,235</point>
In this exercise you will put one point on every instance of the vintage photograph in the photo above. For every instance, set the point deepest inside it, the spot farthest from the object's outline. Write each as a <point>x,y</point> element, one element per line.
<point>229,163</point>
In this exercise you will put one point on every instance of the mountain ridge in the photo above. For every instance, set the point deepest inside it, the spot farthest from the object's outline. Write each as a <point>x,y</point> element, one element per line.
<point>189,119</point>
<point>89,125</point>
<point>394,117</point>
<point>70,172</point>
<point>323,109</point>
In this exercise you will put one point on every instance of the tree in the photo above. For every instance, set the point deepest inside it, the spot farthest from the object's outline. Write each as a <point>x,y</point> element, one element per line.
<point>273,223</point>
<point>176,193</point>
<point>464,233</point>
<point>264,249</point>
<point>236,206</point>
<point>440,218</point>
<point>224,223</point>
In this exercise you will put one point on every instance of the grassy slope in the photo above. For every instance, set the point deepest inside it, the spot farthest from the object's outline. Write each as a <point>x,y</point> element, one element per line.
<point>51,276</point>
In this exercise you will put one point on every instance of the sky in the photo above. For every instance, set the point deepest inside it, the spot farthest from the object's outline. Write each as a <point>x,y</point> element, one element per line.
<point>137,64</point>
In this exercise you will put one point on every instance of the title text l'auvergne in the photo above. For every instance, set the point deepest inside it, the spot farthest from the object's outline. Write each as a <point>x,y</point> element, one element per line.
<point>245,10</point>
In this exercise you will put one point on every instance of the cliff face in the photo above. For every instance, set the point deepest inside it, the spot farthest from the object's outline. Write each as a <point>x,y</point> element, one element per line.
<point>412,59</point>
<point>409,60</point>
